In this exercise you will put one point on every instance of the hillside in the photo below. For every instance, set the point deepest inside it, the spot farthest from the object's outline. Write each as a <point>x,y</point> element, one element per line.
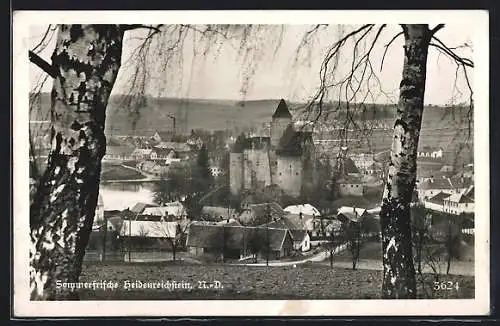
<point>222,114</point>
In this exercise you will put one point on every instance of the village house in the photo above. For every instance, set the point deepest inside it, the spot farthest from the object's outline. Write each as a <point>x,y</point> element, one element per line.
<point>166,154</point>
<point>429,187</point>
<point>173,210</point>
<point>147,233</point>
<point>436,202</point>
<point>182,150</point>
<point>305,214</point>
<point>255,214</point>
<point>458,203</point>
<point>350,186</point>
<point>215,213</point>
<point>140,154</point>
<point>300,236</point>
<point>156,168</point>
<point>430,152</point>
<point>138,208</point>
<point>239,242</point>
<point>369,224</point>
<point>118,153</point>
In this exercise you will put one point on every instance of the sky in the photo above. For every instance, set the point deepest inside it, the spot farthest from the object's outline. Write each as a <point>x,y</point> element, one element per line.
<point>275,73</point>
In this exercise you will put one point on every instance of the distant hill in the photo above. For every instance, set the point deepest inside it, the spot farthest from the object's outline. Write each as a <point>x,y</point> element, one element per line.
<point>222,114</point>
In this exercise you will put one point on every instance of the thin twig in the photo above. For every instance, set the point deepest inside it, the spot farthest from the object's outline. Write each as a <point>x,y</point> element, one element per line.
<point>387,47</point>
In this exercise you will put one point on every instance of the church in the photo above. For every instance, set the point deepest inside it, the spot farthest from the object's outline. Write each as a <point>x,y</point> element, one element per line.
<point>283,158</point>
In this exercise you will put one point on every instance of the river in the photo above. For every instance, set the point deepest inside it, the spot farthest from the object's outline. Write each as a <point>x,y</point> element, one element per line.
<point>123,195</point>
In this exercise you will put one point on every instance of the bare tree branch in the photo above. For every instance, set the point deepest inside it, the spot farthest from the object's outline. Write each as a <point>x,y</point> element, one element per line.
<point>42,64</point>
<point>449,52</point>
<point>137,26</point>
<point>435,29</point>
<point>387,47</point>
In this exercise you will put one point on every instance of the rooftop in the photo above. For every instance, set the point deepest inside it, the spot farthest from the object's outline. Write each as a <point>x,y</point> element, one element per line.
<point>282,111</point>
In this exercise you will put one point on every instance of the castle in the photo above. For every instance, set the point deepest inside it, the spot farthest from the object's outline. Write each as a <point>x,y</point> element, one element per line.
<point>284,158</point>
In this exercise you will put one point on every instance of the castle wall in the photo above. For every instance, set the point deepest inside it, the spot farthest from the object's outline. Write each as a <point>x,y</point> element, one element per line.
<point>289,174</point>
<point>278,127</point>
<point>256,173</point>
<point>235,172</point>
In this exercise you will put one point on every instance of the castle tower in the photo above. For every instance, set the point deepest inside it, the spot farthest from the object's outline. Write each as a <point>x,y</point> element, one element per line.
<point>280,121</point>
<point>236,170</point>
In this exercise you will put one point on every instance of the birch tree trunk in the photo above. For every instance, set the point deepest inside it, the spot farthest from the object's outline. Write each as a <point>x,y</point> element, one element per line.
<point>86,60</point>
<point>399,272</point>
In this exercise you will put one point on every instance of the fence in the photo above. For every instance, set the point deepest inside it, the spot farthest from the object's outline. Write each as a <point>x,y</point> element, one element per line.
<point>132,256</point>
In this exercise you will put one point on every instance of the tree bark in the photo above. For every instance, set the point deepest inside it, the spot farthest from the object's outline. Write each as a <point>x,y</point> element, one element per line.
<point>399,272</point>
<point>87,59</point>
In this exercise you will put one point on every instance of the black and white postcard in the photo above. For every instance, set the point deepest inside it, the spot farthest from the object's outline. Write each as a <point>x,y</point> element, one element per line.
<point>251,163</point>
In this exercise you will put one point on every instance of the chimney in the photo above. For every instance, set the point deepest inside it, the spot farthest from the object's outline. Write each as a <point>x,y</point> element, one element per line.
<point>431,179</point>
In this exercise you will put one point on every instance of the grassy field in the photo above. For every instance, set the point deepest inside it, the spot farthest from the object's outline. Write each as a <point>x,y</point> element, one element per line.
<point>373,250</point>
<point>243,283</point>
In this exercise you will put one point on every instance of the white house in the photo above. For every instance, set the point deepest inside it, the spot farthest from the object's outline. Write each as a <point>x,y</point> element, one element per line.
<point>429,152</point>
<point>458,203</point>
<point>149,229</point>
<point>142,154</point>
<point>301,240</point>
<point>175,209</point>
<point>436,202</point>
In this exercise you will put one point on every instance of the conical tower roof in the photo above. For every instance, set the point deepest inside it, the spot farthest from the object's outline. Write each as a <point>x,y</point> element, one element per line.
<point>282,111</point>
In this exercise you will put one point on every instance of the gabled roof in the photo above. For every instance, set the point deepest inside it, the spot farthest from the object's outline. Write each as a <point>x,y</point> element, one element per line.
<point>175,209</point>
<point>215,212</point>
<point>438,198</point>
<point>176,146</point>
<point>294,222</point>
<point>352,213</point>
<point>163,152</point>
<point>298,235</point>
<point>435,183</point>
<point>459,198</point>
<point>142,151</point>
<point>282,111</point>
<point>305,209</point>
<point>235,237</point>
<point>273,209</point>
<point>139,207</point>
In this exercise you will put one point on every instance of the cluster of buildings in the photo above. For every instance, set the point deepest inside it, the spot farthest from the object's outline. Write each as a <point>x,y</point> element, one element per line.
<point>153,155</point>
<point>263,230</point>
<point>449,195</point>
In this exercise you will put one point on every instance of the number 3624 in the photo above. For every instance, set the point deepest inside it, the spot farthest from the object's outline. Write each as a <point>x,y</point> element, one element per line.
<point>446,286</point>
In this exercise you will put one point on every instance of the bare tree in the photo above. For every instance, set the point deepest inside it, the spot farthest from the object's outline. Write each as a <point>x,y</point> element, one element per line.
<point>399,272</point>
<point>174,234</point>
<point>352,237</point>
